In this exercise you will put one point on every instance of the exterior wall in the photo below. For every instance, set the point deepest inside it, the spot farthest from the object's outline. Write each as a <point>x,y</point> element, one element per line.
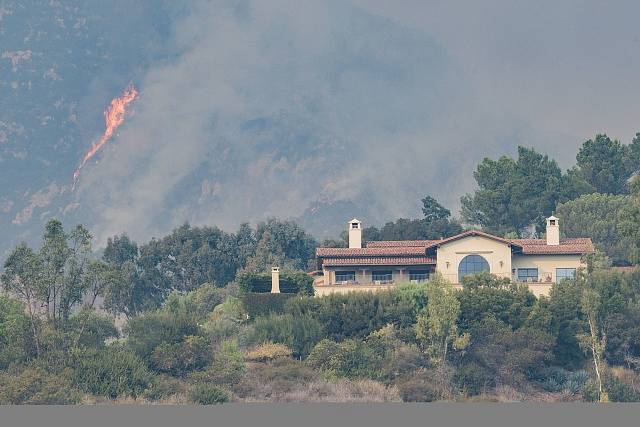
<point>547,264</point>
<point>324,290</point>
<point>497,254</point>
<point>400,274</point>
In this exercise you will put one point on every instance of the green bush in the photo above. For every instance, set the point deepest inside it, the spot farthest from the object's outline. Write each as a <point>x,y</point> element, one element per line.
<point>473,378</point>
<point>227,368</point>
<point>349,358</point>
<point>261,304</point>
<point>111,372</point>
<point>291,282</point>
<point>16,342</point>
<point>300,333</point>
<point>356,314</point>
<point>208,394</point>
<point>620,391</point>
<point>177,359</point>
<point>162,387</point>
<point>33,385</point>
<point>96,329</point>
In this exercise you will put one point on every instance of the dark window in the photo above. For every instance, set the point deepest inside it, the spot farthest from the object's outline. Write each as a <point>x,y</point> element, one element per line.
<point>354,225</point>
<point>528,274</point>
<point>472,264</point>
<point>382,276</point>
<point>419,275</point>
<point>565,273</point>
<point>345,276</point>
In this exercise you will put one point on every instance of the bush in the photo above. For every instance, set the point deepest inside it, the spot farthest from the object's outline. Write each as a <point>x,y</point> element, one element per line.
<point>300,333</point>
<point>208,394</point>
<point>474,379</point>
<point>162,387</point>
<point>177,359</point>
<point>97,328</point>
<point>417,389</point>
<point>274,379</point>
<point>227,367</point>
<point>33,385</point>
<point>257,304</point>
<point>350,358</point>
<point>16,343</point>
<point>356,314</point>
<point>111,372</point>
<point>268,351</point>
<point>291,282</point>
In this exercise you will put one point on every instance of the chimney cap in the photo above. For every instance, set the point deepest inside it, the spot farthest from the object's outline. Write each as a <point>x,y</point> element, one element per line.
<point>553,217</point>
<point>355,220</point>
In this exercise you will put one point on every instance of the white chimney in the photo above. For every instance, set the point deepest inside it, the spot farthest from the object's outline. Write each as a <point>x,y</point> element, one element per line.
<point>355,233</point>
<point>275,280</point>
<point>553,231</point>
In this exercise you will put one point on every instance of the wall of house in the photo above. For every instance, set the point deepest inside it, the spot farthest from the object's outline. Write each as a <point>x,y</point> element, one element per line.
<point>497,254</point>
<point>547,264</point>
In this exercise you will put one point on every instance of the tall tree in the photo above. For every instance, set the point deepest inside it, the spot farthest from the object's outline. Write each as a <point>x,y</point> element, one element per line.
<point>604,164</point>
<point>514,195</point>
<point>599,216</point>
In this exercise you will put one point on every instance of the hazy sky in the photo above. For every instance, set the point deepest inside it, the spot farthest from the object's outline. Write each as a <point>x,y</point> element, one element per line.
<point>270,106</point>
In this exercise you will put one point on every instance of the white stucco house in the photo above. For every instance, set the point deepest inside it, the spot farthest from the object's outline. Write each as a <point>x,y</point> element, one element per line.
<point>379,265</point>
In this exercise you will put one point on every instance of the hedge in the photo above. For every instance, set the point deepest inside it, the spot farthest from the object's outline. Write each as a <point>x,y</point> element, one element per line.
<point>261,304</point>
<point>291,282</point>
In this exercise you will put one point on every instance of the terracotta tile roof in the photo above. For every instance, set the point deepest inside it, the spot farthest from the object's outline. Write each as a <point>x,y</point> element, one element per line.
<point>470,233</point>
<point>400,243</point>
<point>370,252</point>
<point>575,246</point>
<point>379,261</point>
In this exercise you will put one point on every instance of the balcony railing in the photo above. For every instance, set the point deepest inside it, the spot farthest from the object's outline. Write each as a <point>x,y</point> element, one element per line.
<point>543,277</point>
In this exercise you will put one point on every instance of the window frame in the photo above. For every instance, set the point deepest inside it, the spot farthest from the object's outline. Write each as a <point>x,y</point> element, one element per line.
<point>423,275</point>
<point>525,278</point>
<point>387,274</point>
<point>349,273</point>
<point>465,261</point>
<point>560,278</point>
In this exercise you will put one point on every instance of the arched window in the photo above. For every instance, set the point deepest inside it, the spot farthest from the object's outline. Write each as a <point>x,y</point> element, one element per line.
<point>472,264</point>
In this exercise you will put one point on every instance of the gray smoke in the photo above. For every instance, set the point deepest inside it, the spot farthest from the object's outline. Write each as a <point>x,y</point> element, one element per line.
<point>271,106</point>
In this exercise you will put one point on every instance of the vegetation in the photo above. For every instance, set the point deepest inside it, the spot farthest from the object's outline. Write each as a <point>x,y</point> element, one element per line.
<point>197,323</point>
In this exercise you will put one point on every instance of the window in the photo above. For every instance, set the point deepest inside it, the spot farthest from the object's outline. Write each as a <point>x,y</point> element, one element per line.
<point>527,274</point>
<point>345,276</point>
<point>382,276</point>
<point>565,273</point>
<point>472,264</point>
<point>354,225</point>
<point>418,275</point>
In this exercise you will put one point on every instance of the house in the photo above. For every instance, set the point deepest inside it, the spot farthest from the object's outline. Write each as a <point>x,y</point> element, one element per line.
<point>381,264</point>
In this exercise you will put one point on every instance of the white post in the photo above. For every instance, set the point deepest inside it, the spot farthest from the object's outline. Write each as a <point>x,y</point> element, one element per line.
<point>275,280</point>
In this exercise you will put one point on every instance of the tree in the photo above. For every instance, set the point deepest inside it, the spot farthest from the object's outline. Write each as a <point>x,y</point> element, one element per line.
<point>436,327</point>
<point>434,211</point>
<point>630,222</point>
<point>596,340</point>
<point>514,195</point>
<point>604,164</point>
<point>600,217</point>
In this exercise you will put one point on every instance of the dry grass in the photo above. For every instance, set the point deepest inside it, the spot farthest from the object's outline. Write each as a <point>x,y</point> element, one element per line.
<point>342,390</point>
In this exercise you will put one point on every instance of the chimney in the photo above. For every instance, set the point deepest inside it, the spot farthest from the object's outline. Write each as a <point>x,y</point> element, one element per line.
<point>275,280</point>
<point>355,234</point>
<point>553,231</point>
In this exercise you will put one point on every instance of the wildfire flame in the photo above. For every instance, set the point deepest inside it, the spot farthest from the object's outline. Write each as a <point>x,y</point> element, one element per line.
<point>113,117</point>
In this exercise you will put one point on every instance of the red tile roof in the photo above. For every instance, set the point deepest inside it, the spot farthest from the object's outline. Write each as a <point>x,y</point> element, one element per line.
<point>413,252</point>
<point>400,243</point>
<point>370,252</point>
<point>575,246</point>
<point>379,261</point>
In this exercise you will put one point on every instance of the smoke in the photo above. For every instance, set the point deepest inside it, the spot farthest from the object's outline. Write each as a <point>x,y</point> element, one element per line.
<point>273,106</point>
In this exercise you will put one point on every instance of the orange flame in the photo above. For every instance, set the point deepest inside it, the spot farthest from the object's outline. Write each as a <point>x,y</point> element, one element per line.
<point>113,117</point>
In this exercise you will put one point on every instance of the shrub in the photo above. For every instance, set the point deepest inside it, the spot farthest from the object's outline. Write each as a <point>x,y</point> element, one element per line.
<point>16,343</point>
<point>257,304</point>
<point>356,314</point>
<point>206,298</point>
<point>33,385</point>
<point>417,389</point>
<point>162,387</point>
<point>177,359</point>
<point>300,333</point>
<point>111,372</point>
<point>350,358</point>
<point>343,390</point>
<point>268,351</point>
<point>95,328</point>
<point>619,391</point>
<point>208,394</point>
<point>474,378</point>
<point>225,320</point>
<point>227,367</point>
<point>291,282</point>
